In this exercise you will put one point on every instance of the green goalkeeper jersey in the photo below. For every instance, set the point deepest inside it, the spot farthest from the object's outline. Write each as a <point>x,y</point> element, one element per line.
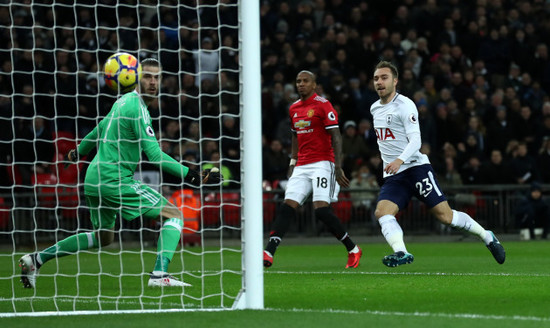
<point>120,138</point>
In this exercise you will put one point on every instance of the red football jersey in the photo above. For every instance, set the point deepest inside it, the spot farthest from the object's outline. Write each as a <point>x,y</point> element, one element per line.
<point>310,120</point>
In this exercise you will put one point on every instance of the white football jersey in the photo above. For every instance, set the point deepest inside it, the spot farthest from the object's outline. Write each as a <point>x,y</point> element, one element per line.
<point>393,122</point>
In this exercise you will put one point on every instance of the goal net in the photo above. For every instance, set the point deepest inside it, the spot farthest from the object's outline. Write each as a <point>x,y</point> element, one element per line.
<point>53,94</point>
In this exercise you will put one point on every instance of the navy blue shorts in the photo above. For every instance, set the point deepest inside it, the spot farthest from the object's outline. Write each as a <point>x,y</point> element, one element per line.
<point>416,181</point>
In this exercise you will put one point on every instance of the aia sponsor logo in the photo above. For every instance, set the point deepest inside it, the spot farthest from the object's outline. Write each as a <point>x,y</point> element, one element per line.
<point>384,134</point>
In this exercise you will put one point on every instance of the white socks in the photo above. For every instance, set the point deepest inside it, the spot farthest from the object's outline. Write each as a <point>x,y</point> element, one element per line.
<point>391,230</point>
<point>464,222</point>
<point>354,250</point>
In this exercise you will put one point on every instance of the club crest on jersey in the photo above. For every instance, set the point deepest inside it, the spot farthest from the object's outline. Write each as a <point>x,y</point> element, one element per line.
<point>301,124</point>
<point>384,134</point>
<point>310,113</point>
<point>413,119</point>
<point>389,119</point>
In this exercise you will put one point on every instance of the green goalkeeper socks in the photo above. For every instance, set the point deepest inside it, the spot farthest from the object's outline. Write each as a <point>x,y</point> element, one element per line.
<point>68,246</point>
<point>170,235</point>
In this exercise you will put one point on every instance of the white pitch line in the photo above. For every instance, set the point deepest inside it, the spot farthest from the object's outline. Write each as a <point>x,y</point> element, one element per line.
<point>385,273</point>
<point>296,310</point>
<point>103,312</point>
<point>421,314</point>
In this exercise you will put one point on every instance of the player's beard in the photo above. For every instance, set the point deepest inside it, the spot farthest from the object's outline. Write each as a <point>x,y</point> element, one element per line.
<point>149,96</point>
<point>305,94</point>
<point>386,93</point>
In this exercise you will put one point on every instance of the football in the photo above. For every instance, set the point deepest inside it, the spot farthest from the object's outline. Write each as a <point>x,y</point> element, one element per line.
<point>122,72</point>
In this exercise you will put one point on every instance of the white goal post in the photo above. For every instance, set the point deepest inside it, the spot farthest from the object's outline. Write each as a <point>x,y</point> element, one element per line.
<point>252,172</point>
<point>224,261</point>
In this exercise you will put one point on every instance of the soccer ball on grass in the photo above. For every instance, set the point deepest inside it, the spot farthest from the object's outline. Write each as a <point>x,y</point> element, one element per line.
<point>122,72</point>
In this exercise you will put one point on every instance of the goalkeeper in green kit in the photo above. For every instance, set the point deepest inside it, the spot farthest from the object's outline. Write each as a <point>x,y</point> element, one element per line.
<point>110,188</point>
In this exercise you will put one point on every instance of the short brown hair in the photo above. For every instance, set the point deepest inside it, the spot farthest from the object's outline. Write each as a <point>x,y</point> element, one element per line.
<point>387,64</point>
<point>151,62</point>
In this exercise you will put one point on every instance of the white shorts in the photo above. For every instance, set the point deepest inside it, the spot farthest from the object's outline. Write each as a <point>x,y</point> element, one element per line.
<point>317,177</point>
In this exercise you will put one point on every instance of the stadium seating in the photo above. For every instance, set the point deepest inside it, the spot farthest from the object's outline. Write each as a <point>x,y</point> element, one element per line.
<point>64,141</point>
<point>232,209</point>
<point>45,188</point>
<point>270,207</point>
<point>211,210</point>
<point>4,215</point>
<point>343,208</point>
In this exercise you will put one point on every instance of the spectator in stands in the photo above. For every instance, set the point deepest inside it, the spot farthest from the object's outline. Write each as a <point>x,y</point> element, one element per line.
<point>534,96</point>
<point>429,90</point>
<point>495,52</point>
<point>410,40</point>
<point>447,129</point>
<point>460,91</point>
<point>521,50</point>
<point>477,129</point>
<point>543,159</point>
<point>428,128</point>
<point>514,77</point>
<point>207,60</point>
<point>366,130</point>
<point>225,171</point>
<point>524,166</point>
<point>468,148</point>
<point>376,166</point>
<point>230,142</point>
<point>34,149</point>
<point>189,97</point>
<point>450,177</point>
<point>471,170</point>
<point>497,170</point>
<point>364,200</point>
<point>275,162</point>
<point>172,135</point>
<point>353,147</point>
<point>543,131</point>
<point>500,130</point>
<point>408,84</point>
<point>534,212</point>
<point>6,137</point>
<point>540,66</point>
<point>526,128</point>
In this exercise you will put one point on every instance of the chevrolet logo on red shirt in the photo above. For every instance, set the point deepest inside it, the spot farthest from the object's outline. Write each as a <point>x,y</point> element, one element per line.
<point>301,124</point>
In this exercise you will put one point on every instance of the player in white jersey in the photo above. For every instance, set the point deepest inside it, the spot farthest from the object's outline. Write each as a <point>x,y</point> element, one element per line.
<point>407,172</point>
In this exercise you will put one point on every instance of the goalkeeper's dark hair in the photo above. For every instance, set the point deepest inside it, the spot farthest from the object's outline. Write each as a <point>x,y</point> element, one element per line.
<point>151,62</point>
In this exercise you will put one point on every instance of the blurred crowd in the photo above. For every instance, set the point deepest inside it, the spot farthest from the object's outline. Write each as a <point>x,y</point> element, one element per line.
<point>478,71</point>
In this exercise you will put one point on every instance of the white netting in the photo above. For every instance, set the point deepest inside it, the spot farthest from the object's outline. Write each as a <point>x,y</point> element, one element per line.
<point>52,94</point>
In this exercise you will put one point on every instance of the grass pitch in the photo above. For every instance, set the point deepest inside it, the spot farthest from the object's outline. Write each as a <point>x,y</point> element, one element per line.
<point>452,284</point>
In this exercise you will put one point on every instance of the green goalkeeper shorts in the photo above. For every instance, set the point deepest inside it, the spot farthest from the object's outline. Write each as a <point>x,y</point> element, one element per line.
<point>133,201</point>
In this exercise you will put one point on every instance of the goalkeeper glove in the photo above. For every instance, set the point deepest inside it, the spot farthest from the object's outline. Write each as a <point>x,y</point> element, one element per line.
<point>193,178</point>
<point>211,176</point>
<point>71,157</point>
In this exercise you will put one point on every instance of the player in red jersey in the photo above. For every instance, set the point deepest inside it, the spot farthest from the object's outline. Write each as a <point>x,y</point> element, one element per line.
<point>315,167</point>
